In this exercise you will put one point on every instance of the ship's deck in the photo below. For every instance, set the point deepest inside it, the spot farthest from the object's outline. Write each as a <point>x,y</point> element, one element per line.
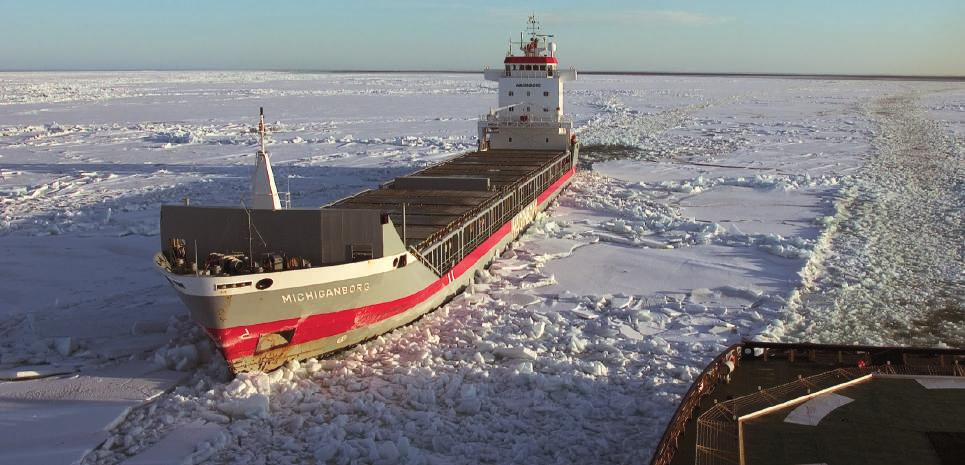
<point>895,421</point>
<point>886,414</point>
<point>429,211</point>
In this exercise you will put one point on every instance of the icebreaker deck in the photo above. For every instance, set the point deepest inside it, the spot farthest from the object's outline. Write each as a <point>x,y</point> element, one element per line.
<point>762,403</point>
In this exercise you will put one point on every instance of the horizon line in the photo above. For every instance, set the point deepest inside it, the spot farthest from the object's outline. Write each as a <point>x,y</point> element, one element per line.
<point>750,74</point>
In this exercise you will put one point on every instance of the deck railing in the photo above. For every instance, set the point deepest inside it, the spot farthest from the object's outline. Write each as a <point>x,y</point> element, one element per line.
<point>717,440</point>
<point>446,247</point>
<point>529,121</point>
<point>415,253</point>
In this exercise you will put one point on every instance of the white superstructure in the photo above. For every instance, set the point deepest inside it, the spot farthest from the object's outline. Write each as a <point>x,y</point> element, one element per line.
<point>530,115</point>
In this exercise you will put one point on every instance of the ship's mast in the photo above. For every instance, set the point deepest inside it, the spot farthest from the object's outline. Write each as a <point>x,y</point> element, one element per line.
<point>261,128</point>
<point>535,45</point>
<point>264,194</point>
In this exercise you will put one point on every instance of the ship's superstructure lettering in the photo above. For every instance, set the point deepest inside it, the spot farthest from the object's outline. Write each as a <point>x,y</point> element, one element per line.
<point>326,278</point>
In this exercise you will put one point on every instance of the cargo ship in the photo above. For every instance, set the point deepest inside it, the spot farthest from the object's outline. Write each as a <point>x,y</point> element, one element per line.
<point>270,283</point>
<point>764,403</point>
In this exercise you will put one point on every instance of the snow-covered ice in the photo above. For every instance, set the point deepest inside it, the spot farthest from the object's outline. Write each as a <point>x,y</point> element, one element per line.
<point>60,420</point>
<point>708,210</point>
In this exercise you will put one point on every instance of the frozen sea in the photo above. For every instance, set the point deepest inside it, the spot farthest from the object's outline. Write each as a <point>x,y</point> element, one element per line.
<point>707,210</point>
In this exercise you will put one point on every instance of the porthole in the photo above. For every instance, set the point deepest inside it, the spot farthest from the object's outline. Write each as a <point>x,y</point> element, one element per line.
<point>264,283</point>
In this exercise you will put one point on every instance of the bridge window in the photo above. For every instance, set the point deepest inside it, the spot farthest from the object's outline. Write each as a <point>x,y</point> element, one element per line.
<point>527,93</point>
<point>542,67</point>
<point>546,94</point>
<point>510,93</point>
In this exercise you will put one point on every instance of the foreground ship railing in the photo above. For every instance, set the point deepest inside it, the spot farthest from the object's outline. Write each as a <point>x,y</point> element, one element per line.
<point>715,373</point>
<point>717,437</point>
<point>718,430</point>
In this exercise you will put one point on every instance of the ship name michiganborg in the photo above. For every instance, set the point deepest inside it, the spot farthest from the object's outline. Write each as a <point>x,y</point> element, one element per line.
<point>324,293</point>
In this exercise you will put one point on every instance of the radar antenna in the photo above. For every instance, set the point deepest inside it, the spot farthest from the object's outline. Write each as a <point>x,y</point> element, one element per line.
<point>535,46</point>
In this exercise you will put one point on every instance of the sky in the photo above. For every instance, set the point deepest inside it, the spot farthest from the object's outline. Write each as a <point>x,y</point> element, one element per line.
<point>925,37</point>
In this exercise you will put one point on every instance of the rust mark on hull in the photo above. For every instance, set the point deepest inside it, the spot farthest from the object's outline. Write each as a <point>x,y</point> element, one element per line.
<point>221,313</point>
<point>271,359</point>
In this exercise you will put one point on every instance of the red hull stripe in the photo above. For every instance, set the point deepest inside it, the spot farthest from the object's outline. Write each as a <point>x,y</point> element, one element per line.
<point>531,60</point>
<point>240,341</point>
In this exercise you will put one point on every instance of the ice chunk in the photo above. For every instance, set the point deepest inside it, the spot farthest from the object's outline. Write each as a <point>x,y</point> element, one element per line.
<point>695,309</point>
<point>388,451</point>
<point>719,329</point>
<point>187,444</point>
<point>469,405</point>
<point>516,353</point>
<point>326,451</point>
<point>254,406</point>
<point>702,295</point>
<point>584,313</point>
<point>537,329</point>
<point>576,344</point>
<point>596,368</point>
<point>621,301</point>
<point>214,417</point>
<point>630,333</point>
<point>181,358</point>
<point>517,298</point>
<point>740,292</point>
